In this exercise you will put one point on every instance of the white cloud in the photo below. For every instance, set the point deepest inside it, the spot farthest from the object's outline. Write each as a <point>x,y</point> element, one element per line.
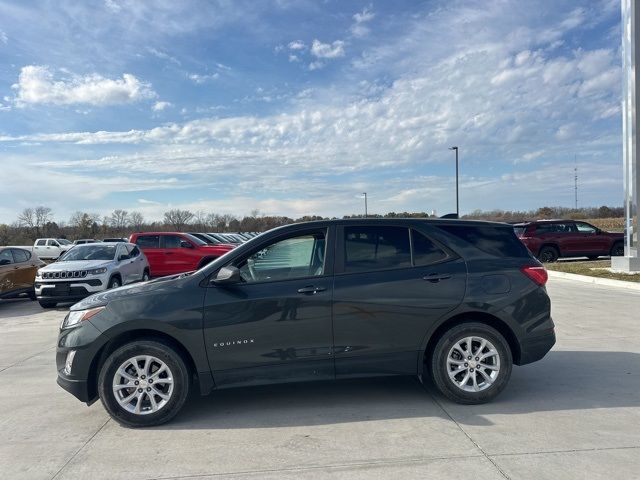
<point>159,106</point>
<point>327,50</point>
<point>200,79</point>
<point>360,20</point>
<point>3,37</point>
<point>297,45</point>
<point>37,85</point>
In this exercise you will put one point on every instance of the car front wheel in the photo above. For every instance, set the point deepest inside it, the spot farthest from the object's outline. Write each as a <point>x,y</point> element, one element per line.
<point>143,383</point>
<point>471,363</point>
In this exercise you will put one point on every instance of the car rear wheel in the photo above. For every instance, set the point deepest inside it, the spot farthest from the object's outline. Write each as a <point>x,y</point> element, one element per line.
<point>617,250</point>
<point>44,304</point>
<point>548,254</point>
<point>471,363</point>
<point>143,383</point>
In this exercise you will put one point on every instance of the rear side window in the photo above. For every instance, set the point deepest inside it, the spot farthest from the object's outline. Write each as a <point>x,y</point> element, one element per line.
<point>425,252</point>
<point>497,241</point>
<point>148,241</point>
<point>376,248</point>
<point>20,256</point>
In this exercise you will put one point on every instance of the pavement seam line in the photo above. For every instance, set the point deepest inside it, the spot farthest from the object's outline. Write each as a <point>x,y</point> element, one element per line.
<point>81,448</point>
<point>318,467</point>
<point>493,462</point>
<point>20,362</point>
<point>572,450</point>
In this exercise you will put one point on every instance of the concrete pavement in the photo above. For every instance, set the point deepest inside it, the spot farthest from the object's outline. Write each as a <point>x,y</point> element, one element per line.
<point>575,414</point>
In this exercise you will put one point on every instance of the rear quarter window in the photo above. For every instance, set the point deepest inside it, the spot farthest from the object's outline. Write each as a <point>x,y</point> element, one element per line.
<point>148,241</point>
<point>496,241</point>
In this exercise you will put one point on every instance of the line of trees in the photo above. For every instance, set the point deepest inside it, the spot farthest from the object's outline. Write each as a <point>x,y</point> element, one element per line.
<point>36,222</point>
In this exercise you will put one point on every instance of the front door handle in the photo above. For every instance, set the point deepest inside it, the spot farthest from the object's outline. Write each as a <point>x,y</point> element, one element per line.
<point>435,278</point>
<point>311,290</point>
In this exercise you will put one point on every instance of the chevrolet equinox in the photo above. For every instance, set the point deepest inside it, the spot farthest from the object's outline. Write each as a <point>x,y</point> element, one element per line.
<point>460,301</point>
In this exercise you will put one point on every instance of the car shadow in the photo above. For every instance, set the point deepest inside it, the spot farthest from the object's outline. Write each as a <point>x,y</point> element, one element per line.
<point>563,380</point>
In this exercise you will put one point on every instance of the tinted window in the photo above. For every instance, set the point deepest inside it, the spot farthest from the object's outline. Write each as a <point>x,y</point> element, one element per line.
<point>41,243</point>
<point>63,241</point>
<point>148,241</point>
<point>52,243</point>
<point>133,250</point>
<point>20,256</point>
<point>519,231</point>
<point>296,257</point>
<point>171,241</point>
<point>376,248</point>
<point>498,241</point>
<point>425,252</point>
<point>195,240</point>
<point>556,228</point>
<point>6,257</point>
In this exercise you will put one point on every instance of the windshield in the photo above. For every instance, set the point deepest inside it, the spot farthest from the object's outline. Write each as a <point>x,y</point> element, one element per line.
<point>194,239</point>
<point>63,241</point>
<point>90,252</point>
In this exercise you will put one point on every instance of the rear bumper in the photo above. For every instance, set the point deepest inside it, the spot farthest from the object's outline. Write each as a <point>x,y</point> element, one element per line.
<point>535,347</point>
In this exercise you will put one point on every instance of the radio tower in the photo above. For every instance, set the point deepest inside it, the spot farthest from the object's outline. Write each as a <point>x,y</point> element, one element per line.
<point>575,181</point>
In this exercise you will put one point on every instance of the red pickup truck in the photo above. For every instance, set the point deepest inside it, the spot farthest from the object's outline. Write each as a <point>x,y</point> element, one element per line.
<point>170,253</point>
<point>551,239</point>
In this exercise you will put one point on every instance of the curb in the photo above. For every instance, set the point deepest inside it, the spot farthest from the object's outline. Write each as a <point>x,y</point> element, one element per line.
<point>607,282</point>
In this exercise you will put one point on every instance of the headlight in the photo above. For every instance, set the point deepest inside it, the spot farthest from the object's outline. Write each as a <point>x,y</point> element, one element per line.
<point>76,316</point>
<point>97,271</point>
<point>39,274</point>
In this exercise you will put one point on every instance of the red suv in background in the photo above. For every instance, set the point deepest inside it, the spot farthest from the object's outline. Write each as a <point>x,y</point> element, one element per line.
<point>551,239</point>
<point>170,253</point>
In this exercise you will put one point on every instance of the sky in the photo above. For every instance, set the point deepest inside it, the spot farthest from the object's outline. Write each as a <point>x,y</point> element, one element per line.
<point>296,107</point>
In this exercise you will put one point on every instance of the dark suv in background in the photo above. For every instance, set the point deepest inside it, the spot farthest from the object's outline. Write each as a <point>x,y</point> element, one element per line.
<point>551,239</point>
<point>458,301</point>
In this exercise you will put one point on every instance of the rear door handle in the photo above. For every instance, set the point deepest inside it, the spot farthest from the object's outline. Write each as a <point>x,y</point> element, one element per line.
<point>311,290</point>
<point>435,278</point>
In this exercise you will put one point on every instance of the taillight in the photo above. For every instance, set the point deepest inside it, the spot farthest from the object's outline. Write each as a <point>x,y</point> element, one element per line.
<point>536,273</point>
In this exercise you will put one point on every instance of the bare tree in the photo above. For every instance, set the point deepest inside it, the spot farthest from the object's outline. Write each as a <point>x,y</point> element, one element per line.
<point>119,220</point>
<point>136,221</point>
<point>177,218</point>
<point>27,218</point>
<point>43,215</point>
<point>82,223</point>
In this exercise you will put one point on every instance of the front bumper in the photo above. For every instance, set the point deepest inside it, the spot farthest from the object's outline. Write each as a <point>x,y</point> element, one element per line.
<point>68,290</point>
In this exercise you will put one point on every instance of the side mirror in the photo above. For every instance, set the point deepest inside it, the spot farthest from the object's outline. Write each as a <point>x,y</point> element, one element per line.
<point>227,276</point>
<point>184,244</point>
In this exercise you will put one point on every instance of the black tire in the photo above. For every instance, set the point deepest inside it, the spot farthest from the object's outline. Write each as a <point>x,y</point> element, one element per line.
<point>617,250</point>
<point>206,261</point>
<point>44,304</point>
<point>548,254</point>
<point>32,295</point>
<point>179,374</point>
<point>114,282</point>
<point>593,257</point>
<point>439,368</point>
<point>145,276</point>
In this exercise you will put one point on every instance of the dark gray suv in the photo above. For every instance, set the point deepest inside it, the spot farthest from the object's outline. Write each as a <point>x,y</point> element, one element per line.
<point>459,301</point>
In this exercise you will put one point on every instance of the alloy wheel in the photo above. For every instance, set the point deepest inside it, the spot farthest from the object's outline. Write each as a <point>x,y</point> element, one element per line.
<point>143,384</point>
<point>473,364</point>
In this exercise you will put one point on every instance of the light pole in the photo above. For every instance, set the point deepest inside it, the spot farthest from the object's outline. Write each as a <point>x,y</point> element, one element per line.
<point>364,194</point>
<point>457,197</point>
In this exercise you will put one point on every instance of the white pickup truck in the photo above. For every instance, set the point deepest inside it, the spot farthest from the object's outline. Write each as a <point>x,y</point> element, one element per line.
<point>51,247</point>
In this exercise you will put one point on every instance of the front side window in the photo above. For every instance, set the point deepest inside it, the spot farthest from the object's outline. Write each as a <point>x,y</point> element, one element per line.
<point>148,241</point>
<point>52,243</point>
<point>585,228</point>
<point>376,248</point>
<point>20,256</point>
<point>41,243</point>
<point>296,257</point>
<point>171,241</point>
<point>133,250</point>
